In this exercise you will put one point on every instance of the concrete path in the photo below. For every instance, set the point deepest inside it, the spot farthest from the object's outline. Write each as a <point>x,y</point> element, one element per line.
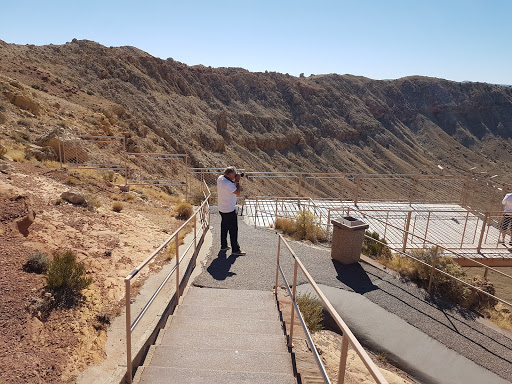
<point>448,327</point>
<point>221,336</point>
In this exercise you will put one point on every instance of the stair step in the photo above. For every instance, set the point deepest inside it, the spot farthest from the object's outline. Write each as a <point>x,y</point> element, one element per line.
<point>163,375</point>
<point>222,360</point>
<point>214,312</point>
<point>241,326</point>
<point>223,340</point>
<point>229,298</point>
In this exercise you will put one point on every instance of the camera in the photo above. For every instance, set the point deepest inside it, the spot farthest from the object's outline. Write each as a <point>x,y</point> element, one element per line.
<point>241,174</point>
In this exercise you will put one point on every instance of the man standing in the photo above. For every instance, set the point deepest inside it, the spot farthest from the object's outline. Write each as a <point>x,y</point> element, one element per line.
<point>507,219</point>
<point>228,188</point>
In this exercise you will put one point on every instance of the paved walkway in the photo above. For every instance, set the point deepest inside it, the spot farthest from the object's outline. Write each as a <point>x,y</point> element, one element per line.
<point>446,329</point>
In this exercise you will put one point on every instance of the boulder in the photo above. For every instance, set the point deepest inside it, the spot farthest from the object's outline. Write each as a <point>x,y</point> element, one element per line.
<point>71,151</point>
<point>25,222</point>
<point>73,197</point>
<point>26,103</point>
<point>41,153</point>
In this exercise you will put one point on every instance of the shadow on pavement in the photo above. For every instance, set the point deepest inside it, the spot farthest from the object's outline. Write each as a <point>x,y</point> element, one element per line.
<point>354,277</point>
<point>219,268</point>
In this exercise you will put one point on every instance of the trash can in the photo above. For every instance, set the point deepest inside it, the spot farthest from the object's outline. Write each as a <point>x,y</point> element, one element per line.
<point>347,239</point>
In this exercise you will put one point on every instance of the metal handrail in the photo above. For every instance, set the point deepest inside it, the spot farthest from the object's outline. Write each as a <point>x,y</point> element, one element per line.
<point>348,336</point>
<point>204,220</point>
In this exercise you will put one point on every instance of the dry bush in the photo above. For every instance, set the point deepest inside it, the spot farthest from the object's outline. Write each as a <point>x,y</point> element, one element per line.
<point>443,285</point>
<point>183,210</point>
<point>117,206</point>
<point>311,310</point>
<point>302,227</point>
<point>37,262</point>
<point>286,225</point>
<point>375,249</point>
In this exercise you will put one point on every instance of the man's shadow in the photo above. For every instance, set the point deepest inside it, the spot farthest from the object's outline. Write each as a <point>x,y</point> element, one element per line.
<point>219,268</point>
<point>354,277</point>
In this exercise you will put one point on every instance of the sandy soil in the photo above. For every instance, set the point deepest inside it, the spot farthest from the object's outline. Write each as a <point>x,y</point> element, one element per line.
<point>109,244</point>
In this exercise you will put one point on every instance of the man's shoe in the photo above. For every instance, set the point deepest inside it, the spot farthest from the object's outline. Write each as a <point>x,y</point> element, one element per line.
<point>225,248</point>
<point>239,253</point>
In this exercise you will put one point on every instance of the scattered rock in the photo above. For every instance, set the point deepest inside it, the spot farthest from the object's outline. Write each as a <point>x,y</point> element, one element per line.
<point>73,197</point>
<point>41,153</point>
<point>26,222</point>
<point>26,103</point>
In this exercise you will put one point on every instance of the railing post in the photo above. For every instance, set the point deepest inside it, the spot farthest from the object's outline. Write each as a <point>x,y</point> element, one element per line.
<point>464,231</point>
<point>343,360</point>
<point>406,233</point>
<point>328,220</point>
<point>433,268</point>
<point>484,224</point>
<point>177,242</point>
<point>300,185</point>
<point>186,178</point>
<point>426,229</point>
<point>128,332</point>
<point>195,238</point>
<point>276,215</point>
<point>356,197</point>
<point>256,211</point>
<point>277,266</point>
<point>290,340</point>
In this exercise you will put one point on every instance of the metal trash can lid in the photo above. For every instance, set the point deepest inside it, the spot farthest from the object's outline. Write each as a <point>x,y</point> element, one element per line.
<point>350,223</point>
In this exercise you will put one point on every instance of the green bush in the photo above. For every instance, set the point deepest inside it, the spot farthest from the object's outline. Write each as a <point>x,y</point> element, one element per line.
<point>37,262</point>
<point>66,278</point>
<point>374,249</point>
<point>183,210</point>
<point>311,310</point>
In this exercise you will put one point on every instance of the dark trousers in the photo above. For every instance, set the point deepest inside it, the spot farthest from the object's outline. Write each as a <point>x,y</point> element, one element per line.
<point>229,223</point>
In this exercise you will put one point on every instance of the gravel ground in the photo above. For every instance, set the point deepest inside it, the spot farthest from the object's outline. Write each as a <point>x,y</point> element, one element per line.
<point>455,328</point>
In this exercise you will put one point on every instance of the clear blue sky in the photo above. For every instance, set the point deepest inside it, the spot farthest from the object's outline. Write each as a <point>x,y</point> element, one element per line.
<point>451,39</point>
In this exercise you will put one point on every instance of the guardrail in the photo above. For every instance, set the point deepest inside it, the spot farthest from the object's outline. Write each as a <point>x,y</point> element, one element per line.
<point>453,228</point>
<point>434,269</point>
<point>201,215</point>
<point>348,336</point>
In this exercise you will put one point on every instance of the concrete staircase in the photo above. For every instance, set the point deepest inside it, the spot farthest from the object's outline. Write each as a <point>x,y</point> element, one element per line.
<point>220,336</point>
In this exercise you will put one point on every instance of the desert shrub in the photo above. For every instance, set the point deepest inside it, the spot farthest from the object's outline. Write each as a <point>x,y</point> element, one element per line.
<point>302,227</point>
<point>183,210</point>
<point>311,310</point>
<point>374,249</point>
<point>286,225</point>
<point>443,285</point>
<point>66,278</point>
<point>307,228</point>
<point>92,202</point>
<point>37,262</point>
<point>117,206</point>
<point>479,300</point>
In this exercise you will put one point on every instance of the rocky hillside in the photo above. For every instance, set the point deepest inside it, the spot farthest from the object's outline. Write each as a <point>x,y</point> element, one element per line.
<point>261,121</point>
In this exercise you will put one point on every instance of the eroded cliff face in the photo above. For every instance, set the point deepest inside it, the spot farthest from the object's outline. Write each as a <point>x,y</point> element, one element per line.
<point>271,121</point>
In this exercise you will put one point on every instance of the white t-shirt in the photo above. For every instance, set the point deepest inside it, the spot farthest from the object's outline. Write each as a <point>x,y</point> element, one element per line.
<point>227,199</point>
<point>507,202</point>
